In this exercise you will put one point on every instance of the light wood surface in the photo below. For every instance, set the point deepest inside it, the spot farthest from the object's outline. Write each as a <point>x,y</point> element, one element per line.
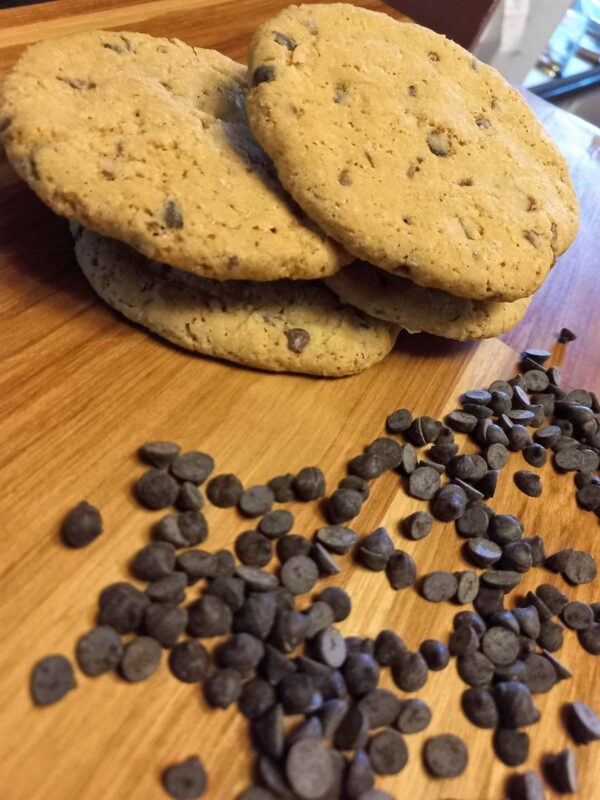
<point>81,389</point>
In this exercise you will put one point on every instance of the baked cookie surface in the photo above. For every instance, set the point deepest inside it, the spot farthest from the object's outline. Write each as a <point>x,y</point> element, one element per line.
<point>146,140</point>
<point>409,152</point>
<point>416,308</point>
<point>284,326</point>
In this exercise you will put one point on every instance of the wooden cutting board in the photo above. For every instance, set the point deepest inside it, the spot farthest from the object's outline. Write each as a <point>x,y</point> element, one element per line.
<point>81,389</point>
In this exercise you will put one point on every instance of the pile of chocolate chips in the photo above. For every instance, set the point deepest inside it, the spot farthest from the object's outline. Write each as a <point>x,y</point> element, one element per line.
<point>279,660</point>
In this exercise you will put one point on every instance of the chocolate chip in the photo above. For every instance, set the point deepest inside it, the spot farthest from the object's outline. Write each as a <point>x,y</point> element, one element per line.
<point>580,568</point>
<point>189,661</point>
<point>438,587</point>
<point>81,525</point>
<point>51,678</point>
<point>224,491</point>
<point>223,688</point>
<point>159,453</point>
<point>154,561</point>
<point>388,451</point>
<point>526,786</point>
<point>189,497</point>
<point>424,482</point>
<point>561,771</point>
<point>311,728</point>
<point>297,338</point>
<point>501,579</point>
<point>268,732</point>
<point>589,639</point>
<point>511,746</point>
<point>271,775</point>
<point>535,455</point>
<point>186,780</point>
<point>487,485</point>
<point>483,552</point>
<point>296,692</point>
<point>276,523</point>
<point>568,459</point>
<point>476,622</point>
<point>435,653</point>
<point>254,549</point>
<point>284,41</point>
<point>185,529</point>
<point>361,673</point>
<point>488,600</point>
<point>375,549</point>
<point>172,215</point>
<point>309,484</point>
<point>449,503</point>
<point>140,659</point>
<point>551,636</point>
<point>320,616</point>
<point>583,723</point>
<point>339,601</point>
<point>401,570</point>
<point>464,641</point>
<point>193,466</point>
<point>388,753</point>
<point>496,456</point>
<point>359,776</point>
<point>461,421</point>
<point>467,467</point>
<point>540,675</point>
<point>209,616</point>
<point>399,421</point>
<point>528,482</point>
<point>389,648</point>
<point>410,673</point>
<point>480,708</point>
<point>257,615</point>
<point>577,615</point>
<point>475,669</point>
<point>263,74</point>
<point>352,730</point>
<point>473,523</point>
<point>381,707</point>
<point>467,586</point>
<point>310,769</point>
<point>500,645</point>
<point>324,560</point>
<point>229,589</point>
<point>445,756</point>
<point>515,705</point>
<point>282,487</point>
<point>165,622</point>
<point>299,574</point>
<point>518,436</point>
<point>443,453</point>
<point>330,647</point>
<point>558,561</point>
<point>156,489</point>
<point>256,501</point>
<point>356,484</point>
<point>529,620</point>
<point>122,607</point>
<point>336,538</point>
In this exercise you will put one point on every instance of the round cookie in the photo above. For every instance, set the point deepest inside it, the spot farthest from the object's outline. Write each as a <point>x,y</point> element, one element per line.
<point>411,153</point>
<point>146,140</point>
<point>416,308</point>
<point>284,326</point>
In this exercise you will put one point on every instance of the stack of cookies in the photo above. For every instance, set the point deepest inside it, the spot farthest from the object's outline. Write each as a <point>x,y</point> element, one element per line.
<point>367,176</point>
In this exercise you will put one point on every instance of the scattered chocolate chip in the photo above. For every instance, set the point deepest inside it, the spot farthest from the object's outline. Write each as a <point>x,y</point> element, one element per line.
<point>577,615</point>
<point>209,616</point>
<point>435,653</point>
<point>414,716</point>
<point>483,552</point>
<point>480,708</point>
<point>356,484</point>
<point>158,453</point>
<point>526,786</point>
<point>475,669</point>
<point>256,501</point>
<point>467,586</point>
<point>186,780</point>
<point>540,675</point>
<point>399,421</point>
<point>339,601</point>
<point>589,639</point>
<point>561,771</point>
<point>401,570</point>
<point>51,678</point>
<point>81,525</point>
<point>511,746</point>
<point>424,482</point>
<point>388,753</point>
<point>156,489</point>
<point>389,648</point>
<point>445,756</point>
<point>583,723</point>
<point>224,491</point>
<point>140,659</point>
<point>309,484</point>
<point>580,568</point>
<point>154,561</point>
<point>336,538</point>
<point>417,525</point>
<point>310,769</point>
<point>343,505</point>
<point>449,503</point>
<point>438,587</point>
<point>282,487</point>
<point>223,688</point>
<point>299,574</point>
<point>528,482</point>
<point>410,672</point>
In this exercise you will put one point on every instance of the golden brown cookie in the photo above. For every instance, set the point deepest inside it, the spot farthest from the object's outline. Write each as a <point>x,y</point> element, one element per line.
<point>411,153</point>
<point>283,326</point>
<point>417,308</point>
<point>146,140</point>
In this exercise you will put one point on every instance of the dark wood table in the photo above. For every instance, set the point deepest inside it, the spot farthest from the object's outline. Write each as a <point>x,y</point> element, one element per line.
<point>80,389</point>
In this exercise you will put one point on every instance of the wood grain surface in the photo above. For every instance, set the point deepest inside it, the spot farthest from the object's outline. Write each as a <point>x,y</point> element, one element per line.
<point>80,389</point>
